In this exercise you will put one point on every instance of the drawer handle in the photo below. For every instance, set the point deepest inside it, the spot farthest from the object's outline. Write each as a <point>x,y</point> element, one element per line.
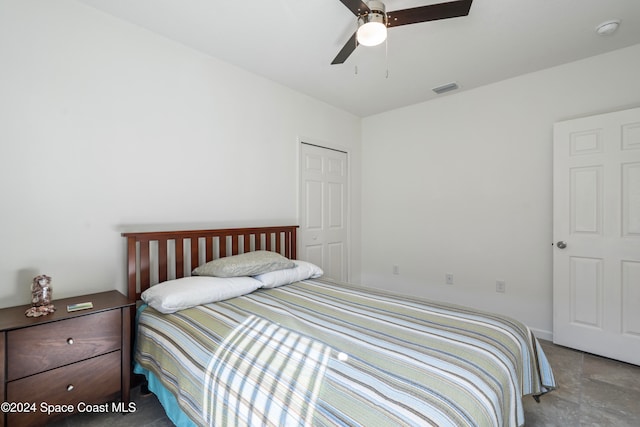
<point>70,387</point>
<point>69,341</point>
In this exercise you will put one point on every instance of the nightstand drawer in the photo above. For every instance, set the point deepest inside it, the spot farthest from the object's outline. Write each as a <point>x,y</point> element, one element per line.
<point>89,381</point>
<point>47,346</point>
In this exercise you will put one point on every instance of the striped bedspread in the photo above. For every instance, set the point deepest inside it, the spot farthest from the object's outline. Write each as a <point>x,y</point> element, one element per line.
<point>320,354</point>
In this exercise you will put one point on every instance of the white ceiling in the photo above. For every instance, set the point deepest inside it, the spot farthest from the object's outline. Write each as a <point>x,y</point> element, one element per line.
<point>294,41</point>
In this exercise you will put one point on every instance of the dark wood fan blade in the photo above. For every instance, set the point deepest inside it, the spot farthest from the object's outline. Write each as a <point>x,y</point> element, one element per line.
<point>347,50</point>
<point>356,6</point>
<point>430,12</point>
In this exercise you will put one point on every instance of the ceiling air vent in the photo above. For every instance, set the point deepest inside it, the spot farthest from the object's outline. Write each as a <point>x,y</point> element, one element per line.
<point>445,88</point>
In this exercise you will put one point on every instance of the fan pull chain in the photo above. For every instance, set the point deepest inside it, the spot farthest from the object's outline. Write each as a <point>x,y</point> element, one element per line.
<point>356,43</point>
<point>386,55</point>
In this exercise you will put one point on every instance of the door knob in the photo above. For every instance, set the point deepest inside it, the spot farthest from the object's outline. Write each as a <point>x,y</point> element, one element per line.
<point>561,244</point>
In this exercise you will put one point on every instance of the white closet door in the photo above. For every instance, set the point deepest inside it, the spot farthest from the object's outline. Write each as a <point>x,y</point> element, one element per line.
<point>596,276</point>
<point>324,233</point>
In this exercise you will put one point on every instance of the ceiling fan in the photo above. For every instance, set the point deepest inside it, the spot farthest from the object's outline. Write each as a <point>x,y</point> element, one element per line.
<point>373,20</point>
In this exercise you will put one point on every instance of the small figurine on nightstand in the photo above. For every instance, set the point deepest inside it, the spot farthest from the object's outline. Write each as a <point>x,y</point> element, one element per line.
<point>41,296</point>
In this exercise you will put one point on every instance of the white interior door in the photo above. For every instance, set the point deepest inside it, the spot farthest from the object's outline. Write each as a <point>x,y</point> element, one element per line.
<point>596,273</point>
<point>323,232</point>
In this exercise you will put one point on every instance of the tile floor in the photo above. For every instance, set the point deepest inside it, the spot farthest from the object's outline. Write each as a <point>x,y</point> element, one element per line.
<point>593,391</point>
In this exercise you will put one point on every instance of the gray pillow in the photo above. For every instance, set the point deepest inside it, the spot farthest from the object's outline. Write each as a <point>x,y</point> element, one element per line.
<point>247,264</point>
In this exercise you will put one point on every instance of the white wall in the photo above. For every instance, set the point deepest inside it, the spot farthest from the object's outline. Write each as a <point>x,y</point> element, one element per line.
<point>463,185</point>
<point>106,127</point>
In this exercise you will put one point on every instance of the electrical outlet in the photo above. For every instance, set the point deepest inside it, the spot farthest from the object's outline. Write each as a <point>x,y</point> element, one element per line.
<point>396,269</point>
<point>448,278</point>
<point>501,286</point>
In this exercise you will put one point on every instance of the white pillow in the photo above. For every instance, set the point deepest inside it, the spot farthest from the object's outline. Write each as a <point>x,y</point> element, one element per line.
<point>303,270</point>
<point>178,294</point>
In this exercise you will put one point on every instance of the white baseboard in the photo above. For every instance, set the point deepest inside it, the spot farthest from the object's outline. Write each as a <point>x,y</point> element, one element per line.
<point>543,335</point>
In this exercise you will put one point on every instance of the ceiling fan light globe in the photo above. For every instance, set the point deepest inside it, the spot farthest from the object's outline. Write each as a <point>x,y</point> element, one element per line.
<point>372,33</point>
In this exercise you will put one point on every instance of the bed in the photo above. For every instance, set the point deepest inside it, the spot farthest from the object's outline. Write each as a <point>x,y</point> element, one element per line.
<point>315,352</point>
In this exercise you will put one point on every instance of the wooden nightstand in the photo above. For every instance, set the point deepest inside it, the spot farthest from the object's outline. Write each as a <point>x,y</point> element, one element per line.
<point>67,359</point>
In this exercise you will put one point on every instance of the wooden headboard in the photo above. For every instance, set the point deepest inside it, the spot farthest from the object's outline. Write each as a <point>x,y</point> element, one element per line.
<point>153,257</point>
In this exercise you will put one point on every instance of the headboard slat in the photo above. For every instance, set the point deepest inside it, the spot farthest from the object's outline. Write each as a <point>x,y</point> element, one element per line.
<point>169,258</point>
<point>145,264</point>
<point>223,247</point>
<point>162,260</point>
<point>209,248</point>
<point>179,257</point>
<point>234,245</point>
<point>195,258</point>
<point>131,267</point>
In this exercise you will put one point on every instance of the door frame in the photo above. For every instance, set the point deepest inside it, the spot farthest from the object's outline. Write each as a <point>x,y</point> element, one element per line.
<point>334,147</point>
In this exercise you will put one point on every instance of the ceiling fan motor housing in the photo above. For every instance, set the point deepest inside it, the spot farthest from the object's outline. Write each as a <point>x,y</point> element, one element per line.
<point>376,7</point>
<point>376,13</point>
